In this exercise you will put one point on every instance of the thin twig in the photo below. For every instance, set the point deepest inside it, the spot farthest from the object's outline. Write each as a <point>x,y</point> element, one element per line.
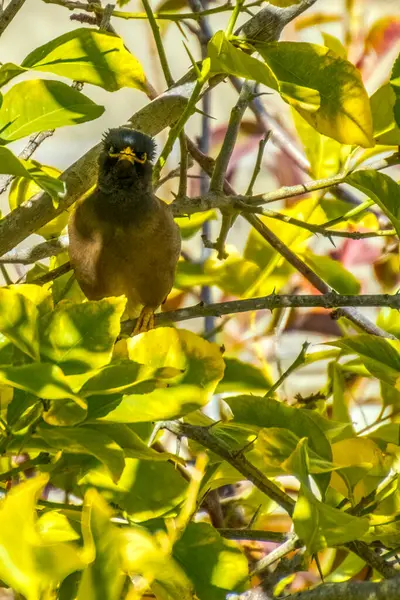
<point>159,44</point>
<point>298,362</point>
<point>257,167</point>
<point>259,535</point>
<point>222,161</point>
<point>288,546</point>
<point>169,16</point>
<point>183,167</point>
<point>53,274</point>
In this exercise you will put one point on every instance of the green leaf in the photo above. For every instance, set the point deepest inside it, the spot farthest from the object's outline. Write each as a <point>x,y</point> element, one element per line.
<point>24,187</point>
<point>126,376</point>
<point>200,365</point>
<point>344,113</point>
<point>80,337</point>
<point>386,130</point>
<point>84,440</point>
<point>131,443</point>
<point>90,56</point>
<point>381,356</point>
<point>226,58</point>
<point>324,154</point>
<point>317,524</point>
<point>31,565</point>
<point>103,577</point>
<point>333,273</point>
<point>48,382</point>
<point>8,71</point>
<point>19,321</point>
<point>243,377</point>
<point>395,83</point>
<point>38,104</point>
<point>146,489</point>
<point>191,224</point>
<point>31,170</point>
<point>223,566</point>
<point>145,555</point>
<point>334,44</point>
<point>382,189</point>
<point>275,445</point>
<point>266,412</point>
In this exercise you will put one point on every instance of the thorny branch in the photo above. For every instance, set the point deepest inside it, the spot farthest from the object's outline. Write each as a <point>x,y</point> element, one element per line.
<point>329,300</point>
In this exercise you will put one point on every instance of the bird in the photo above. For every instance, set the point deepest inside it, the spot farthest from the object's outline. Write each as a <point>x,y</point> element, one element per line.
<point>123,239</point>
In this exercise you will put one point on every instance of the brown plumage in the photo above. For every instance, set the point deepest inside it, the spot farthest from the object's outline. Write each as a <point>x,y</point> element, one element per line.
<point>122,238</point>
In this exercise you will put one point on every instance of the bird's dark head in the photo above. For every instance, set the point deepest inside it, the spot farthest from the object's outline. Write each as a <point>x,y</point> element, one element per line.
<point>126,160</point>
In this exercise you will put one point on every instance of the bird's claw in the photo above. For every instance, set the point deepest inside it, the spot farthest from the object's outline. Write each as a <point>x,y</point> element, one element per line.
<point>145,321</point>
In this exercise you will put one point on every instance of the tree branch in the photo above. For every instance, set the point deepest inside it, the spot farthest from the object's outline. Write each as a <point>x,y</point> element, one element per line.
<point>169,16</point>
<point>205,437</point>
<point>44,250</point>
<point>388,589</point>
<point>9,13</point>
<point>329,300</point>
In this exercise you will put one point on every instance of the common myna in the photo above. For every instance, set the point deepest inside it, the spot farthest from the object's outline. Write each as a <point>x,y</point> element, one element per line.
<point>122,238</point>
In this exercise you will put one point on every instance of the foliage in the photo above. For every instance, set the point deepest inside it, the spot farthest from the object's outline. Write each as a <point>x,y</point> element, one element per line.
<point>97,500</point>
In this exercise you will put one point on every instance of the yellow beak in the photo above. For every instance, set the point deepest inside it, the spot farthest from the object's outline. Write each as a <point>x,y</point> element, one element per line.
<point>127,154</point>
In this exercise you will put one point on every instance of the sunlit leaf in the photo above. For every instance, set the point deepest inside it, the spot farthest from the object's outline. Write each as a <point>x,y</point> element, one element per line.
<point>381,356</point>
<point>146,489</point>
<point>324,153</point>
<point>395,83</point>
<point>344,112</point>
<point>316,523</point>
<point>144,555</point>
<point>103,577</point>
<point>266,412</point>
<point>190,225</point>
<point>80,337</point>
<point>51,104</point>
<point>90,56</point>
<point>200,364</point>
<point>22,189</point>
<point>386,130</point>
<point>226,58</point>
<point>82,440</point>
<point>19,321</point>
<point>30,564</point>
<point>131,443</point>
<point>223,565</point>
<point>333,273</point>
<point>382,189</point>
<point>334,44</point>
<point>243,377</point>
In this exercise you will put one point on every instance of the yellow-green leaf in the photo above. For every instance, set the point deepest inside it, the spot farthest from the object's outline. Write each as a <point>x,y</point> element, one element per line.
<point>30,564</point>
<point>80,337</point>
<point>91,56</point>
<point>344,113</point>
<point>103,577</point>
<point>382,189</point>
<point>22,189</point>
<point>19,321</point>
<point>39,104</point>
<point>386,130</point>
<point>199,362</point>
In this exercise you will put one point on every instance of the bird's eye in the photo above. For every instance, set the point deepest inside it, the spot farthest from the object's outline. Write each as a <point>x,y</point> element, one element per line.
<point>141,157</point>
<point>111,151</point>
